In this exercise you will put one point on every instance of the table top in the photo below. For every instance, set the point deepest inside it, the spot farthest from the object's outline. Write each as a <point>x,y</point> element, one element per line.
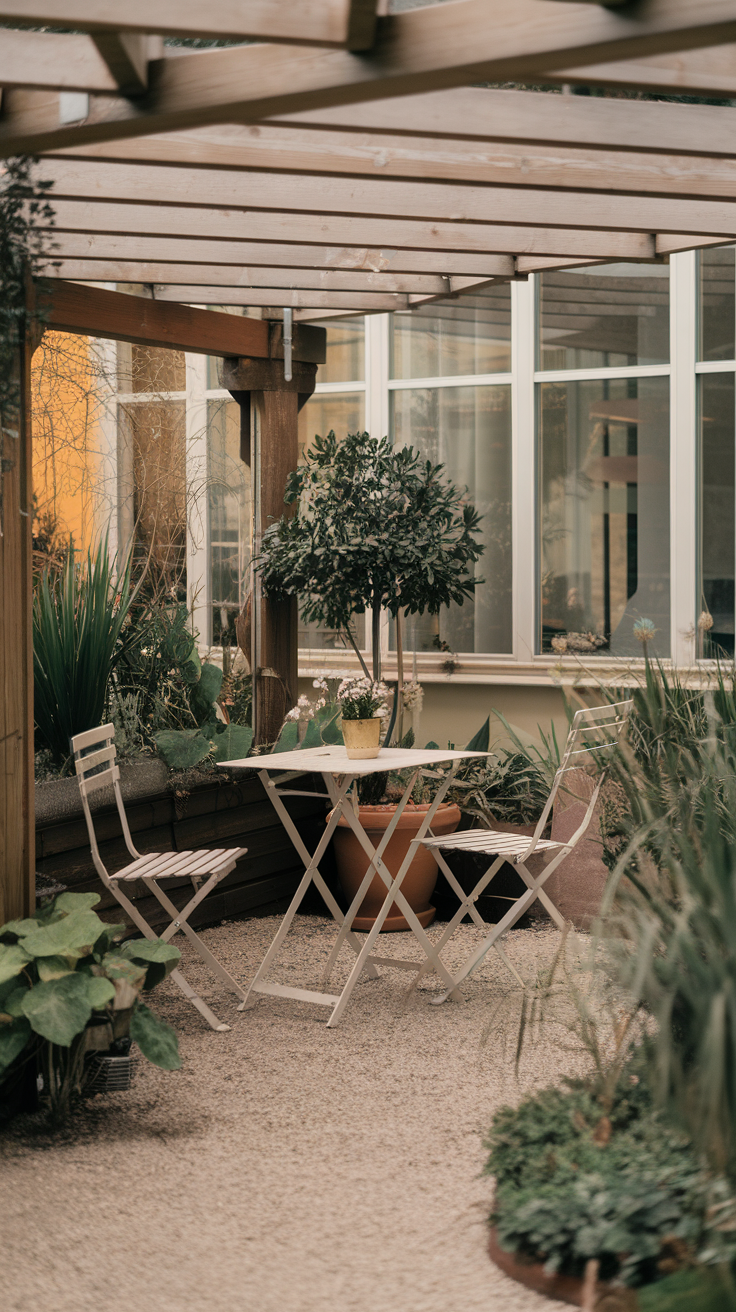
<point>335,760</point>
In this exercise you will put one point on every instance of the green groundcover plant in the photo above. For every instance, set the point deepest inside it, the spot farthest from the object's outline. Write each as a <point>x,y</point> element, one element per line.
<point>63,973</point>
<point>578,1178</point>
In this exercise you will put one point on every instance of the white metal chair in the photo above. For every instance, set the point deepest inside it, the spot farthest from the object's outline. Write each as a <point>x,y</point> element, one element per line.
<point>96,767</point>
<point>594,731</point>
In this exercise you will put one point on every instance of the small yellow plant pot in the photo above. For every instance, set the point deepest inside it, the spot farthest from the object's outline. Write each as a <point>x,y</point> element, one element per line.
<point>362,738</point>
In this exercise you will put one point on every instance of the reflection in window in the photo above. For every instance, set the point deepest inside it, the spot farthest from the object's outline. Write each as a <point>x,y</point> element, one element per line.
<point>230,519</point>
<point>604,457</point>
<point>345,361</point>
<point>150,369</point>
<point>343,414</point>
<point>152,489</point>
<point>612,315</point>
<point>331,411</point>
<point>717,510</point>
<point>717,318</point>
<point>467,336</point>
<point>468,430</point>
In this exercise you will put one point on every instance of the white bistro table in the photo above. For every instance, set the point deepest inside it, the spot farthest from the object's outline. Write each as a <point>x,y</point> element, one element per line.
<point>340,774</point>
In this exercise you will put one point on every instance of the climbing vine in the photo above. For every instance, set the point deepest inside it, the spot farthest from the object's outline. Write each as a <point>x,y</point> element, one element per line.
<point>24,206</point>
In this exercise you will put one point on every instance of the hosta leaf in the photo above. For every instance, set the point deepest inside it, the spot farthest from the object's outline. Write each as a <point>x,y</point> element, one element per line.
<point>107,937</point>
<point>19,927</point>
<point>60,1008</point>
<point>13,958</point>
<point>181,749</point>
<point>54,967</point>
<point>13,1039</point>
<point>76,901</point>
<point>288,739</point>
<point>150,949</point>
<point>67,937</point>
<point>100,991</point>
<point>13,1004</point>
<point>232,742</point>
<point>116,966</point>
<point>156,1040</point>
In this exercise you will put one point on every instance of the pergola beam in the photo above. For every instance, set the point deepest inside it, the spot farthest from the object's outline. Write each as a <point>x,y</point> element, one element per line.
<point>63,61</point>
<point>312,153</point>
<point>279,297</point>
<point>708,72</point>
<point>346,232</point>
<point>536,117</point>
<point>311,22</point>
<point>127,56</point>
<point>237,276</point>
<point>424,49</point>
<point>89,179</point>
<point>103,246</point>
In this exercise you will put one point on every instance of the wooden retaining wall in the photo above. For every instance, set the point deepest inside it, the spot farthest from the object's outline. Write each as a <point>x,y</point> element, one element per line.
<point>235,813</point>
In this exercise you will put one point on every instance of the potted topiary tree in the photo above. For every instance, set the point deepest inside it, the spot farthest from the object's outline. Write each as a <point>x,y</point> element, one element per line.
<point>376,528</point>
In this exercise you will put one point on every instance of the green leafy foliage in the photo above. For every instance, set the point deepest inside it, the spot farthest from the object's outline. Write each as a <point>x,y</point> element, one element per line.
<point>156,1040</point>
<point>57,973</point>
<point>576,1179</point>
<point>375,526</point>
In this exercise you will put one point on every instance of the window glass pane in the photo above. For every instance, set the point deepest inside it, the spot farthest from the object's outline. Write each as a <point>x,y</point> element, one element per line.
<point>345,361</point>
<point>604,452</point>
<point>230,519</point>
<point>469,336</point>
<point>467,429</point>
<point>344,414</point>
<point>329,411</point>
<point>717,510</point>
<point>717,308</point>
<point>152,483</point>
<point>611,315</point>
<point>150,369</point>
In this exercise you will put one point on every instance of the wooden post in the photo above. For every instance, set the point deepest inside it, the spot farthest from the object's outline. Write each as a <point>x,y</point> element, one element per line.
<point>17,832</point>
<point>274,661</point>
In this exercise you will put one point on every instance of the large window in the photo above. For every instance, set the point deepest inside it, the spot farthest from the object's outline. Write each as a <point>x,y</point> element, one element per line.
<point>715,340</point>
<point>609,316</point>
<point>604,474</point>
<point>604,460</point>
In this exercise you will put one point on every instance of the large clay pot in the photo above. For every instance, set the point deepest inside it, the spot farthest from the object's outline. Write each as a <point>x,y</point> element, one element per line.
<point>419,880</point>
<point>567,1289</point>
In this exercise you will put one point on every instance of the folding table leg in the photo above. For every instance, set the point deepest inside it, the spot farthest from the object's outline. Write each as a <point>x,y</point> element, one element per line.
<point>337,794</point>
<point>394,895</point>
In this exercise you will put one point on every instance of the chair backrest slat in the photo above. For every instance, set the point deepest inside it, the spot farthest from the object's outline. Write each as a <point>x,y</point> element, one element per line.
<point>95,762</point>
<point>590,720</point>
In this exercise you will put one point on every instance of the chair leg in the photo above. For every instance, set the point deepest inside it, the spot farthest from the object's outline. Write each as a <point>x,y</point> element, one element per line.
<point>197,1002</point>
<point>180,922</point>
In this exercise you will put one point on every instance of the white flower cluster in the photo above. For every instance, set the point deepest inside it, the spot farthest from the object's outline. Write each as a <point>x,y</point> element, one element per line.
<point>412,696</point>
<point>305,710</point>
<point>362,699</point>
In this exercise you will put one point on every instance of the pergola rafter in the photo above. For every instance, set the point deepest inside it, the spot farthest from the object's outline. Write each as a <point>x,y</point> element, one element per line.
<point>349,162</point>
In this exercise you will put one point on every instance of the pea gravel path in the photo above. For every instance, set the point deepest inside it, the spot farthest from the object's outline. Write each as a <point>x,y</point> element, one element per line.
<point>286,1167</point>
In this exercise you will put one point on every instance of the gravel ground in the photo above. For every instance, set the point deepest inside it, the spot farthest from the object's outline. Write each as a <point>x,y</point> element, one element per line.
<point>286,1167</point>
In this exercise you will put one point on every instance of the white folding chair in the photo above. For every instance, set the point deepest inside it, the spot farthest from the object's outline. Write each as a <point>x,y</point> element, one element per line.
<point>96,767</point>
<point>595,731</point>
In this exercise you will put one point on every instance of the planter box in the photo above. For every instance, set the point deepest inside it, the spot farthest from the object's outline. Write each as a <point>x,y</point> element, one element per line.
<point>169,815</point>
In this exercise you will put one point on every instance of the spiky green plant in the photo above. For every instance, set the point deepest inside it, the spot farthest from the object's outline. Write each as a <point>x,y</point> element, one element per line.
<point>78,621</point>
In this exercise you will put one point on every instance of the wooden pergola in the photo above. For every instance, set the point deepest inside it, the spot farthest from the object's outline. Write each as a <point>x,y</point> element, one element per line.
<point>332,159</point>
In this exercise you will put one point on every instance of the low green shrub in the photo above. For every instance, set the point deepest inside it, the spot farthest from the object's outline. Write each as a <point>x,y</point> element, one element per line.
<point>578,1178</point>
<point>62,970</point>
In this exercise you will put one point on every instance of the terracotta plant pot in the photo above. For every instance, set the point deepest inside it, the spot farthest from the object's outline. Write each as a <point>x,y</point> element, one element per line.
<point>362,738</point>
<point>566,1289</point>
<point>419,880</point>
